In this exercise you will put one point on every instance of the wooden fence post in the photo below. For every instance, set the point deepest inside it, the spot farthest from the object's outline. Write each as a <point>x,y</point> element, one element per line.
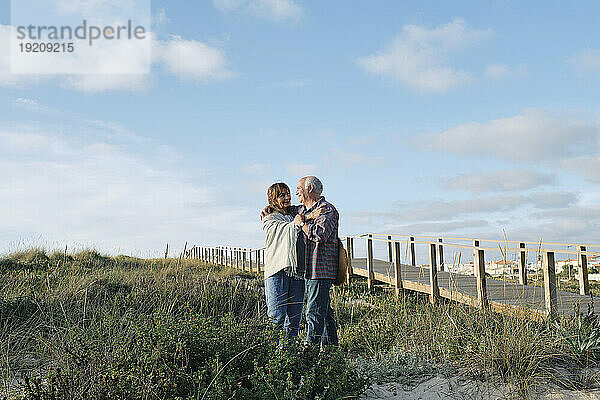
<point>389,248</point>
<point>584,283</point>
<point>370,274</point>
<point>522,264</point>
<point>479,265</point>
<point>397,271</point>
<point>350,257</point>
<point>441,254</point>
<point>257,256</point>
<point>550,284</point>
<point>413,260</point>
<point>434,290</point>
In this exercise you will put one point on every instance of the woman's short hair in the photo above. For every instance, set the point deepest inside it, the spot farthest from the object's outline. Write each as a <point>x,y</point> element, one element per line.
<point>273,193</point>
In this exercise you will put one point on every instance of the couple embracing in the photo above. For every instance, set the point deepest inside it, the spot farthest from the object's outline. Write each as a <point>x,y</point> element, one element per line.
<point>301,259</point>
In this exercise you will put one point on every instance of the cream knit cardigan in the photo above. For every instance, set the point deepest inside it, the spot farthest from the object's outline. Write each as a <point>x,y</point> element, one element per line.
<point>280,243</point>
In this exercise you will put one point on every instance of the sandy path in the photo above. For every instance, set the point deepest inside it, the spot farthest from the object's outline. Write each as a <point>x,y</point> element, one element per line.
<point>460,388</point>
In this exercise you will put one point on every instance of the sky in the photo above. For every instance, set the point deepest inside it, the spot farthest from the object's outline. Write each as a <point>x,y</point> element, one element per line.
<point>461,118</point>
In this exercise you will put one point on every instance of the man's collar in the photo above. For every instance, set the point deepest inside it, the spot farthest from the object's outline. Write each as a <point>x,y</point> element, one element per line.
<point>321,199</point>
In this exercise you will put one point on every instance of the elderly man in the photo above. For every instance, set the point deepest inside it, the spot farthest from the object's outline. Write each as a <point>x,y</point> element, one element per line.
<point>321,257</point>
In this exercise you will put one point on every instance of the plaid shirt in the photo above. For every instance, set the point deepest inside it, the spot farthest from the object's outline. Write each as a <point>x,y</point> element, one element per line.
<point>321,243</point>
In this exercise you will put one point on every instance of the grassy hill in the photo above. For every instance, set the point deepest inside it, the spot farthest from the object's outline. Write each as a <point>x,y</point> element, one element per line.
<point>89,326</point>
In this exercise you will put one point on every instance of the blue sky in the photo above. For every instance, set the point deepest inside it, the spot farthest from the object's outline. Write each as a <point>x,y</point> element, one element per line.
<point>428,117</point>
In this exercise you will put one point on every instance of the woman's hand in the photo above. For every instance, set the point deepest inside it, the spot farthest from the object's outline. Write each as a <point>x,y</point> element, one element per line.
<point>299,220</point>
<point>265,211</point>
<point>316,213</point>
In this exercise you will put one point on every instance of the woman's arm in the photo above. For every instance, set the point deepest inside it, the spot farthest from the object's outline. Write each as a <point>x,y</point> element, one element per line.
<point>316,213</point>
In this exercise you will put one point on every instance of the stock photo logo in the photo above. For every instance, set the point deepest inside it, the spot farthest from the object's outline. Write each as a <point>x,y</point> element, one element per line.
<point>85,37</point>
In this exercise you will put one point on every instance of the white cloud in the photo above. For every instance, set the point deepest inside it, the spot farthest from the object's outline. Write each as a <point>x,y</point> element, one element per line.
<point>160,19</point>
<point>416,57</point>
<point>553,200</point>
<point>190,59</point>
<point>501,71</point>
<point>576,224</point>
<point>187,59</point>
<point>93,83</point>
<point>110,196</point>
<point>523,216</point>
<point>25,102</point>
<point>301,169</point>
<point>6,78</point>
<point>360,140</point>
<point>442,210</point>
<point>437,228</point>
<point>500,181</point>
<point>257,169</point>
<point>349,159</point>
<point>588,167</point>
<point>274,10</point>
<point>586,60</point>
<point>531,136</point>
<point>102,8</point>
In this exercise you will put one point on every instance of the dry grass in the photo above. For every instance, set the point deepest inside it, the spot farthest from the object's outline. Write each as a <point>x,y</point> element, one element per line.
<point>95,326</point>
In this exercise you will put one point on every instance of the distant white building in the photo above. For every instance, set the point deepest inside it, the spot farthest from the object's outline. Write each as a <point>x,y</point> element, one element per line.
<point>465,269</point>
<point>502,268</point>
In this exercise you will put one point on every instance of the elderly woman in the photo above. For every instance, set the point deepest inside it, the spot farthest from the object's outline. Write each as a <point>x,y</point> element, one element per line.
<point>284,261</point>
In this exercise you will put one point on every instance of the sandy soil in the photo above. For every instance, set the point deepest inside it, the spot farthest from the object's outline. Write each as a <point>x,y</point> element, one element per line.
<point>459,388</point>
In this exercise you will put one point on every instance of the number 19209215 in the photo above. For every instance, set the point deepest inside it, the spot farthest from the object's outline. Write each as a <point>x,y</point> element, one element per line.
<point>46,47</point>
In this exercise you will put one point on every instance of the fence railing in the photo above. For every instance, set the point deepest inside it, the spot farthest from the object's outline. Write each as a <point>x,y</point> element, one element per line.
<point>243,258</point>
<point>249,259</point>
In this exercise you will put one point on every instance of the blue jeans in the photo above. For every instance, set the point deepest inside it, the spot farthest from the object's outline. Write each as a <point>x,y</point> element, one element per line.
<point>285,298</point>
<point>319,314</point>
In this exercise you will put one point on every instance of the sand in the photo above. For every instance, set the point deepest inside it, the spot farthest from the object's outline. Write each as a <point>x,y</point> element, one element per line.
<point>460,388</point>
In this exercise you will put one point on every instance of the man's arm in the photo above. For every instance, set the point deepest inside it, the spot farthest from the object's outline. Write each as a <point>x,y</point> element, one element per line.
<point>320,229</point>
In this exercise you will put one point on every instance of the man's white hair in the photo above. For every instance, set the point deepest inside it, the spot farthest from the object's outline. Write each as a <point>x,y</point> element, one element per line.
<point>317,186</point>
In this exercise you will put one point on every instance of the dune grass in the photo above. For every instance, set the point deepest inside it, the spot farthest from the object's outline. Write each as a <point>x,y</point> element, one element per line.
<point>85,325</point>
